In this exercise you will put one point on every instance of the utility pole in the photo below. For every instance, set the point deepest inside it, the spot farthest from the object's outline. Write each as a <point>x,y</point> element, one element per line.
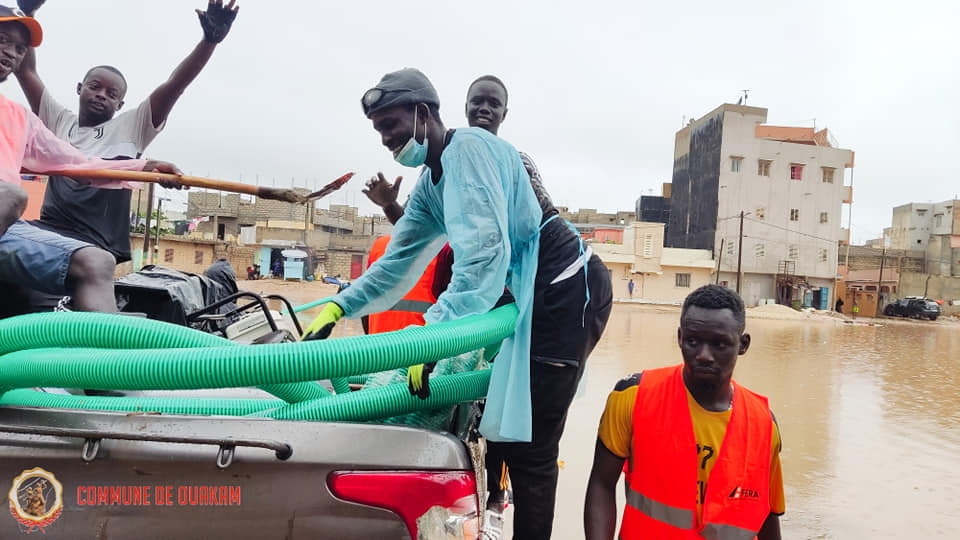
<point>740,254</point>
<point>146,227</point>
<point>883,259</point>
<point>157,240</point>
<point>846,258</point>
<point>719,260</point>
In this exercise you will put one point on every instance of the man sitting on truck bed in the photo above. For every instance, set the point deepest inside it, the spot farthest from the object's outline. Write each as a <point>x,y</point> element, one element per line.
<point>29,255</point>
<point>96,216</point>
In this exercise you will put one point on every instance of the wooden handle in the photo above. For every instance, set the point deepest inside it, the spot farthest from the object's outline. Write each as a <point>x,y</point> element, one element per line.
<point>143,176</point>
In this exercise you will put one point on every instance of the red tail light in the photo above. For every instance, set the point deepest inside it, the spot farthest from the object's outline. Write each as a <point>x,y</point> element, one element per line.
<point>452,495</point>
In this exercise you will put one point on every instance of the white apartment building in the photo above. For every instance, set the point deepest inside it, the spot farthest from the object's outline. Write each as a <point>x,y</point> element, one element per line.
<point>788,181</point>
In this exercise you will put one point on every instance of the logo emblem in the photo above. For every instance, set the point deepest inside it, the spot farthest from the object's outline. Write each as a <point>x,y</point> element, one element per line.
<point>36,499</point>
<point>745,493</point>
<point>98,133</point>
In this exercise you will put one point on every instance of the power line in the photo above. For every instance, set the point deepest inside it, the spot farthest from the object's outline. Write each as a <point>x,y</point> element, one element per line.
<point>791,230</point>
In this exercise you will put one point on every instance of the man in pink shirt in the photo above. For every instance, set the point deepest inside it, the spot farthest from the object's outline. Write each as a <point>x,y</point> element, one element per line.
<point>31,256</point>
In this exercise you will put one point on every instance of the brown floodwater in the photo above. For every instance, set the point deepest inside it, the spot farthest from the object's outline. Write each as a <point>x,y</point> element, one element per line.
<point>870,420</point>
<point>869,416</point>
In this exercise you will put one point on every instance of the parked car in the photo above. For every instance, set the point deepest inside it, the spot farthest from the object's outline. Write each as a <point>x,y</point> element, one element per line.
<point>913,307</point>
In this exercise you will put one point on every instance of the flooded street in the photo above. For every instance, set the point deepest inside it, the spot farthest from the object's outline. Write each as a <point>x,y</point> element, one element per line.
<point>870,419</point>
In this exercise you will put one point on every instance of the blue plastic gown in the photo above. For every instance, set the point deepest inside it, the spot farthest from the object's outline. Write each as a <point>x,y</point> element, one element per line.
<point>486,209</point>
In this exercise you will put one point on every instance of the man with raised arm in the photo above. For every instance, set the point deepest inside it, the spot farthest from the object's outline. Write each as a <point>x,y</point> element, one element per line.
<point>29,255</point>
<point>102,217</point>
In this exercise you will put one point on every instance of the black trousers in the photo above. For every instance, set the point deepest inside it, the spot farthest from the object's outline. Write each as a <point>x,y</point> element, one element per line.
<point>563,336</point>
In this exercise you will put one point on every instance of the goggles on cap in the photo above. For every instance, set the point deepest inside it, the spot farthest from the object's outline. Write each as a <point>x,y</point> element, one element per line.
<point>371,98</point>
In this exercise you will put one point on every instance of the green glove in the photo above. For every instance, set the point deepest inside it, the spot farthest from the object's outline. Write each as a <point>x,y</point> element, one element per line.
<point>418,379</point>
<point>321,327</point>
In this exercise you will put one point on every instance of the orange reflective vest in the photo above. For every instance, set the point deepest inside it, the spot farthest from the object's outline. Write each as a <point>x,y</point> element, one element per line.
<point>662,487</point>
<point>408,311</point>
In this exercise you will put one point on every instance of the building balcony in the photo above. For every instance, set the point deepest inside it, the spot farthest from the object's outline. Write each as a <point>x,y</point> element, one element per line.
<point>848,194</point>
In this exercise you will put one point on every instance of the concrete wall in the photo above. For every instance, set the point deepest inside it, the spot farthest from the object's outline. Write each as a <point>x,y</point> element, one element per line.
<point>935,287</point>
<point>939,255</point>
<point>608,236</point>
<point>339,262</point>
<point>863,258</point>
<point>810,243</point>
<point>655,287</point>
<point>619,277</point>
<point>646,235</point>
<point>663,287</point>
<point>753,287</point>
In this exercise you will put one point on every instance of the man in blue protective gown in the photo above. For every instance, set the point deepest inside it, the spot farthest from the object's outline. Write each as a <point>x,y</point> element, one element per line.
<point>475,193</point>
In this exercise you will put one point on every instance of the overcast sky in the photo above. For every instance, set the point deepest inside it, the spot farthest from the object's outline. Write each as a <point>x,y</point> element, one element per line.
<point>597,89</point>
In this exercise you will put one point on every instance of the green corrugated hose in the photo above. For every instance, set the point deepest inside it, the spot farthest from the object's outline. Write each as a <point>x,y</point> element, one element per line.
<point>164,362</point>
<point>108,331</point>
<point>371,404</point>
<point>32,398</point>
<point>387,401</point>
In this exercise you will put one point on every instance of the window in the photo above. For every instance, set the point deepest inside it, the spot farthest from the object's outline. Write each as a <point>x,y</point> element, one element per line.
<point>827,175</point>
<point>759,250</point>
<point>735,162</point>
<point>730,248</point>
<point>648,245</point>
<point>824,217</point>
<point>168,255</point>
<point>198,257</point>
<point>822,255</point>
<point>794,214</point>
<point>763,167</point>
<point>793,252</point>
<point>761,213</point>
<point>796,171</point>
<point>682,280</point>
<point>937,220</point>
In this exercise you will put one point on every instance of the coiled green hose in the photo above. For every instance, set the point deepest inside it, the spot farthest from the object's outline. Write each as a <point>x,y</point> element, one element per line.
<point>83,350</point>
<point>110,331</point>
<point>32,398</point>
<point>371,404</point>
<point>237,366</point>
<point>387,401</point>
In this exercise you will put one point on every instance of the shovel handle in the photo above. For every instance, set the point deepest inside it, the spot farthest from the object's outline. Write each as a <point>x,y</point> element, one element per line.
<point>144,176</point>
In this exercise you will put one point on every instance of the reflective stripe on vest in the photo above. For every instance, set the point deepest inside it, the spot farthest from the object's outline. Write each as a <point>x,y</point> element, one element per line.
<point>413,306</point>
<point>681,518</point>
<point>715,531</point>
<point>661,499</point>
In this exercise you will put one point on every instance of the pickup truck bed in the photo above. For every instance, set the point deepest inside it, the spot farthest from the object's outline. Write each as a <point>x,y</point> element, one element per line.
<point>134,485</point>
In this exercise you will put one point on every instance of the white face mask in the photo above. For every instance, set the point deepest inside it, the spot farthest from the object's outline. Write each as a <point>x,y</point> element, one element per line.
<point>413,154</point>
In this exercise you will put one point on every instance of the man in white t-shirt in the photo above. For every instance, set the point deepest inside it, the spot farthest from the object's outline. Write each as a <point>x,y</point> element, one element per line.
<point>102,217</point>
<point>31,256</point>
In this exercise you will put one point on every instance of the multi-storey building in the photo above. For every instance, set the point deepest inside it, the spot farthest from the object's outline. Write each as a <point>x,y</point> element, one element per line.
<point>788,183</point>
<point>933,228</point>
<point>910,228</point>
